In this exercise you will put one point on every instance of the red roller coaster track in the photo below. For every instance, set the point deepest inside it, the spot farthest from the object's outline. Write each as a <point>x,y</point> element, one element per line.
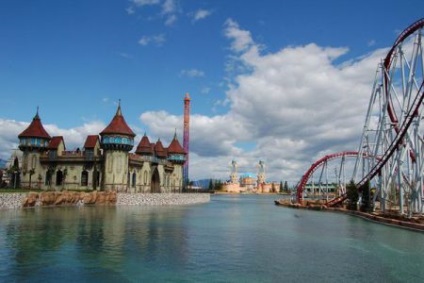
<point>401,130</point>
<point>315,165</point>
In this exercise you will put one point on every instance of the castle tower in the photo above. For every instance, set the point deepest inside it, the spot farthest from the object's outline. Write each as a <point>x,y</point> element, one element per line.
<point>33,141</point>
<point>233,174</point>
<point>177,155</point>
<point>261,172</point>
<point>186,140</point>
<point>117,139</point>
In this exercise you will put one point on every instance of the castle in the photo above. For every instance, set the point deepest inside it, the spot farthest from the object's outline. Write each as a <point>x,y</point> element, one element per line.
<point>103,163</point>
<point>247,183</point>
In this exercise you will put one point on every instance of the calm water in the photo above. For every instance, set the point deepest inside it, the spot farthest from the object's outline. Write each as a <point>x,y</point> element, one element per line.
<point>231,239</point>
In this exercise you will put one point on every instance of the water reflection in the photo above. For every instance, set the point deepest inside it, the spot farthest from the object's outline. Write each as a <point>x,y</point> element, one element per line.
<point>231,239</point>
<point>92,237</point>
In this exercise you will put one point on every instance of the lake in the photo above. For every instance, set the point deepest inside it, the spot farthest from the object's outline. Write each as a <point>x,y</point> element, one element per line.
<point>233,238</point>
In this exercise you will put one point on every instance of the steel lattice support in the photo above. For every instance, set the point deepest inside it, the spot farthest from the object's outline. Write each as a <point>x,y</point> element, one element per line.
<point>393,132</point>
<point>390,155</point>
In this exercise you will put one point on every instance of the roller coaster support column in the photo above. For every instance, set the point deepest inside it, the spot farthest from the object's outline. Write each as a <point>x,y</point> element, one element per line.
<point>381,193</point>
<point>399,182</point>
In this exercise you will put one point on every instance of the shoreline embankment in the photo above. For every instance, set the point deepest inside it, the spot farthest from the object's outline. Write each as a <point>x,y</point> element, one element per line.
<point>376,216</point>
<point>68,198</point>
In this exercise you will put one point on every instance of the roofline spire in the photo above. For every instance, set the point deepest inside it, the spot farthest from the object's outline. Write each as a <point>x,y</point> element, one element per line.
<point>36,114</point>
<point>118,111</point>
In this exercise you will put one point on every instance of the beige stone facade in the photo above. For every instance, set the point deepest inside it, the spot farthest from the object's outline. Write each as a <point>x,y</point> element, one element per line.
<point>103,163</point>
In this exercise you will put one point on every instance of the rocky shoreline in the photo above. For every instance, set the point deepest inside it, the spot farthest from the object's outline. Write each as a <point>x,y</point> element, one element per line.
<point>36,199</point>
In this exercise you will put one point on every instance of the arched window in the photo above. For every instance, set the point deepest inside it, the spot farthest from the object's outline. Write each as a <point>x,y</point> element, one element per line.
<point>96,178</point>
<point>59,178</point>
<point>145,177</point>
<point>134,178</point>
<point>33,162</point>
<point>84,178</point>
<point>48,178</point>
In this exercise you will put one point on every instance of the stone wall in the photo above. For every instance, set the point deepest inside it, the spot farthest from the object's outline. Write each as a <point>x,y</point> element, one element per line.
<point>161,199</point>
<point>19,200</point>
<point>11,200</point>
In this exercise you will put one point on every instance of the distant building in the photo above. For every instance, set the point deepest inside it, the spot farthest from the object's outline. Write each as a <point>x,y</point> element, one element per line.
<point>103,163</point>
<point>247,183</point>
<point>320,189</point>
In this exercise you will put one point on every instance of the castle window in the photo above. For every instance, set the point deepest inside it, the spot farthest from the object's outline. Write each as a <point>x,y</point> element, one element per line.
<point>134,178</point>
<point>33,162</point>
<point>52,154</point>
<point>89,154</point>
<point>59,178</point>
<point>145,177</point>
<point>48,178</point>
<point>84,178</point>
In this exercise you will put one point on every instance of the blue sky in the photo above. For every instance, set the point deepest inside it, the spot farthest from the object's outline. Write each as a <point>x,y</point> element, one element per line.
<point>248,66</point>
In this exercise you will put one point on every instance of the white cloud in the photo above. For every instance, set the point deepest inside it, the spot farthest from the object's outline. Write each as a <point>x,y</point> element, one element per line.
<point>205,90</point>
<point>170,20</point>
<point>192,73</point>
<point>74,138</point>
<point>201,14</point>
<point>371,42</point>
<point>158,40</point>
<point>125,55</point>
<point>169,7</point>
<point>242,39</point>
<point>130,10</point>
<point>294,105</point>
<point>169,11</point>
<point>145,2</point>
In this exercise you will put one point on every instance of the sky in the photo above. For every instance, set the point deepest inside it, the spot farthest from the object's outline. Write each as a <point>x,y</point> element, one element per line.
<point>285,82</point>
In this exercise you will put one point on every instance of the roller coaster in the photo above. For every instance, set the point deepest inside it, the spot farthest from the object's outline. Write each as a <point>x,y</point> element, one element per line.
<point>390,156</point>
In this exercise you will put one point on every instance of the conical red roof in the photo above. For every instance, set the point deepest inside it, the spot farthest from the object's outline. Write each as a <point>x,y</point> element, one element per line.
<point>91,141</point>
<point>35,129</point>
<point>175,147</point>
<point>144,146</point>
<point>159,150</point>
<point>118,125</point>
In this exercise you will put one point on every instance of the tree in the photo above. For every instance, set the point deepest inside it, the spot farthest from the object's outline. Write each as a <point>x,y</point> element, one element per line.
<point>366,205</point>
<point>15,173</point>
<point>281,186</point>
<point>218,185</point>
<point>210,188</point>
<point>286,186</point>
<point>352,195</point>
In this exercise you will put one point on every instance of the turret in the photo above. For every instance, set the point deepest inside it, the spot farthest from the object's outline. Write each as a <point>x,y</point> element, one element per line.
<point>34,137</point>
<point>160,151</point>
<point>117,135</point>
<point>144,147</point>
<point>33,141</point>
<point>117,139</point>
<point>176,153</point>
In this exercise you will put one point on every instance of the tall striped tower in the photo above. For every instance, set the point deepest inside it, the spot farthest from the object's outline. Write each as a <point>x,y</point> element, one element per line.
<point>186,141</point>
